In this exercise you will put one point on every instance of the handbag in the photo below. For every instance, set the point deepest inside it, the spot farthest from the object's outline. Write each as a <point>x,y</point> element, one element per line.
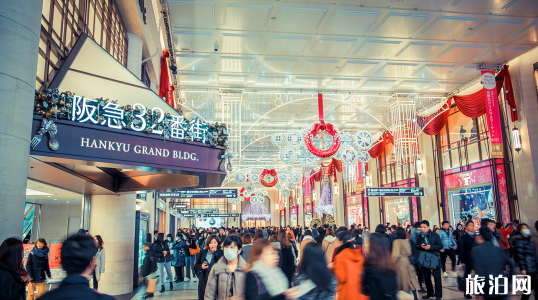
<point>194,251</point>
<point>428,260</point>
<point>169,257</point>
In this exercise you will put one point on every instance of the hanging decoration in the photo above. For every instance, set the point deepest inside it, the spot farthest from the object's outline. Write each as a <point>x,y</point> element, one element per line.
<point>240,178</point>
<point>305,157</point>
<point>363,140</point>
<point>294,139</point>
<point>165,91</point>
<point>288,155</point>
<point>325,205</point>
<point>269,178</point>
<point>349,155</point>
<point>47,126</point>
<point>322,128</point>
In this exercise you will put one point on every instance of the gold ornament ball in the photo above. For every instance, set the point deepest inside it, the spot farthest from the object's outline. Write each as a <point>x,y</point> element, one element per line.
<point>219,140</point>
<point>149,130</point>
<point>149,112</point>
<point>43,96</point>
<point>47,115</point>
<point>187,138</point>
<point>101,119</point>
<point>68,105</point>
<point>160,128</point>
<point>69,93</point>
<point>168,115</point>
<point>61,102</point>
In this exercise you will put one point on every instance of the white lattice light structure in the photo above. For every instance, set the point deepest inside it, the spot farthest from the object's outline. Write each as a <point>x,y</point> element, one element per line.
<point>404,126</point>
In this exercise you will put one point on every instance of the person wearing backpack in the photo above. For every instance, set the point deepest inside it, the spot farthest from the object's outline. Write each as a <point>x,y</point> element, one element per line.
<point>379,281</point>
<point>429,242</point>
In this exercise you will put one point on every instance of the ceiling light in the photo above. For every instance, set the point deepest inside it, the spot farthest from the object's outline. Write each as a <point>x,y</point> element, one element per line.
<point>30,192</point>
<point>55,199</point>
<point>48,196</point>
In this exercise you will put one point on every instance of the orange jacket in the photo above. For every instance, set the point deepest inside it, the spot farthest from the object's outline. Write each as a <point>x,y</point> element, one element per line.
<point>504,234</point>
<point>348,267</point>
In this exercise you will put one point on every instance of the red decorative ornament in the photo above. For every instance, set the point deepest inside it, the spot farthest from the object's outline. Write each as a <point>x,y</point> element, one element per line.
<point>241,194</point>
<point>322,126</point>
<point>272,173</point>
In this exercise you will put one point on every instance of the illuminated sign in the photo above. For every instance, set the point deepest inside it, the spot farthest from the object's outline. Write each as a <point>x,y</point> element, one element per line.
<point>395,192</point>
<point>200,211</point>
<point>211,216</point>
<point>200,194</point>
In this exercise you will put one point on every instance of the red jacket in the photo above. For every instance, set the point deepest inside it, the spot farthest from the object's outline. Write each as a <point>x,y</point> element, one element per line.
<point>504,234</point>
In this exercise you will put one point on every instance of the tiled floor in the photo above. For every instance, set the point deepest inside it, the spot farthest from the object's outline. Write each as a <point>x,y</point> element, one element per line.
<point>189,290</point>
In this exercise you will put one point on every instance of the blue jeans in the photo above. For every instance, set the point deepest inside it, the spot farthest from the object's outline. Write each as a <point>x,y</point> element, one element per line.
<point>167,266</point>
<point>189,264</point>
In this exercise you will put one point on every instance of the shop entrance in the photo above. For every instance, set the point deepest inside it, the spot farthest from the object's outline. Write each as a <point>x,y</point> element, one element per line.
<point>397,211</point>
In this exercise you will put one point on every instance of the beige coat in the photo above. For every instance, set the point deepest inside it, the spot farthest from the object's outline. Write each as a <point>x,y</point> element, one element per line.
<point>307,239</point>
<point>328,245</point>
<point>407,277</point>
<point>220,278</point>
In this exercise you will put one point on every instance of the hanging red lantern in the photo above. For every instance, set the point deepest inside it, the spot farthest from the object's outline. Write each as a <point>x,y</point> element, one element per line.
<point>270,174</point>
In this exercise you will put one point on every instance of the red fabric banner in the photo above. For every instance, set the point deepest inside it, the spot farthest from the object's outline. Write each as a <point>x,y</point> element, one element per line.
<point>437,123</point>
<point>492,113</point>
<point>164,81</point>
<point>320,109</point>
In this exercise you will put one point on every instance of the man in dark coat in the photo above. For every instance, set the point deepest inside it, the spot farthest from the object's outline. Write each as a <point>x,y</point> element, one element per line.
<point>321,235</point>
<point>78,261</point>
<point>490,260</point>
<point>467,242</point>
<point>430,242</point>
<point>413,236</point>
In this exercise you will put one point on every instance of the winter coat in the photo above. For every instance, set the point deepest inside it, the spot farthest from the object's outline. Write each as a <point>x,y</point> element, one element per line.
<point>149,265</point>
<point>180,248</point>
<point>159,247</point>
<point>315,232</point>
<point>294,247</point>
<point>12,287</point>
<point>74,285</point>
<point>288,262</point>
<point>534,239</point>
<point>100,260</point>
<point>255,289</point>
<point>37,267</point>
<point>457,235</point>
<point>466,244</point>
<point>447,239</point>
<point>246,251</point>
<point>328,245</point>
<point>220,280</point>
<point>525,255</point>
<point>348,268</point>
<point>407,277</point>
<point>202,274</point>
<point>378,286</point>
<point>306,239</point>
<point>435,243</point>
<point>413,236</point>
<point>316,294</point>
<point>504,235</point>
<point>320,237</point>
<point>492,264</point>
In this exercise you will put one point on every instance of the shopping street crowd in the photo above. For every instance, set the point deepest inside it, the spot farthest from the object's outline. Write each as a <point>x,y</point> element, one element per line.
<point>392,262</point>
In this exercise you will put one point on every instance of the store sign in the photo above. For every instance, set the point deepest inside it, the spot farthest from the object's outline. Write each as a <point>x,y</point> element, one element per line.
<point>492,113</point>
<point>95,143</point>
<point>178,205</point>
<point>211,215</point>
<point>359,183</point>
<point>395,192</point>
<point>200,211</point>
<point>200,194</point>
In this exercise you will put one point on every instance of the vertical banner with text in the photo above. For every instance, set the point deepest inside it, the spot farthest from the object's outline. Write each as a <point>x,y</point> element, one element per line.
<point>359,184</point>
<point>492,113</point>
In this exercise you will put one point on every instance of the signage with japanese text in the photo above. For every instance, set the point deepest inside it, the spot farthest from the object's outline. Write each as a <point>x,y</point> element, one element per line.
<point>492,113</point>
<point>395,192</point>
<point>200,211</point>
<point>211,215</point>
<point>200,194</point>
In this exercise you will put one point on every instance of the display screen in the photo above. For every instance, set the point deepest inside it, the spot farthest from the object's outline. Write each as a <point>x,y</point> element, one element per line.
<point>476,201</point>
<point>354,215</point>
<point>208,222</point>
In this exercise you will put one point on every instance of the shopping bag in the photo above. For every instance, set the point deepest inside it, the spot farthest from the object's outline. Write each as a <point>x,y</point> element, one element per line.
<point>152,283</point>
<point>428,260</point>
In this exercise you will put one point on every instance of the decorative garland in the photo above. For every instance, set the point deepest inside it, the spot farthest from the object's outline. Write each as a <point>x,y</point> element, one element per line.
<point>322,126</point>
<point>271,172</point>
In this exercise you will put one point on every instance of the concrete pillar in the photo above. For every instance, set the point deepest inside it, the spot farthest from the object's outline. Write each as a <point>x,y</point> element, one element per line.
<point>20,24</point>
<point>374,210</point>
<point>430,202</point>
<point>134,55</point>
<point>113,218</point>
<point>339,210</point>
<point>300,214</point>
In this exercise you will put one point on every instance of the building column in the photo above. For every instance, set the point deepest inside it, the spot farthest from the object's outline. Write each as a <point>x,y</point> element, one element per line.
<point>134,55</point>
<point>374,209</point>
<point>113,218</point>
<point>20,25</point>
<point>430,202</point>
<point>339,208</point>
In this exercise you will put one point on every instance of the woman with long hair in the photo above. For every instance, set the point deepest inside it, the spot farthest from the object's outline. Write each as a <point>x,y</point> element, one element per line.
<point>314,267</point>
<point>12,287</point>
<point>379,276</point>
<point>258,235</point>
<point>407,276</point>
<point>348,265</point>
<point>264,279</point>
<point>205,260</point>
<point>288,257</point>
<point>38,268</point>
<point>291,238</point>
<point>190,259</point>
<point>100,261</point>
<point>246,240</point>
<point>162,253</point>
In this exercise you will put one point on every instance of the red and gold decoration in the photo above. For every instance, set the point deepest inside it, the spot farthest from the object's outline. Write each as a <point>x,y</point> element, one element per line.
<point>322,128</point>
<point>269,178</point>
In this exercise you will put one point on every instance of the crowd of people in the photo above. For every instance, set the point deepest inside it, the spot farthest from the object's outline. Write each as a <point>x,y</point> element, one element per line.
<point>322,262</point>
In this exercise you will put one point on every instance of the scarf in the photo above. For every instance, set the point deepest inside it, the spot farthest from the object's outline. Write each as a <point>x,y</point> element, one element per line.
<point>425,237</point>
<point>274,280</point>
<point>41,252</point>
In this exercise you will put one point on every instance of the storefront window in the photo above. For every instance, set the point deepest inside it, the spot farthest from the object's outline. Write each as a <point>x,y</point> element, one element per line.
<point>397,211</point>
<point>354,210</point>
<point>307,213</point>
<point>476,202</point>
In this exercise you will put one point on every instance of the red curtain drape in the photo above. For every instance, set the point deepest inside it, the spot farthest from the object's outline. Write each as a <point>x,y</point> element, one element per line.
<point>164,80</point>
<point>377,148</point>
<point>438,122</point>
<point>506,81</point>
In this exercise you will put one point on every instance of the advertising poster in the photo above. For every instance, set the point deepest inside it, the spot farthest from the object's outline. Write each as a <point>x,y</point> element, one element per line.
<point>55,263</point>
<point>492,113</point>
<point>208,222</point>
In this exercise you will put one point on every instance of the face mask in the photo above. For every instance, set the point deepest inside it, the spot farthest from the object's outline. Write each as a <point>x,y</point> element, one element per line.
<point>169,238</point>
<point>526,232</point>
<point>230,254</point>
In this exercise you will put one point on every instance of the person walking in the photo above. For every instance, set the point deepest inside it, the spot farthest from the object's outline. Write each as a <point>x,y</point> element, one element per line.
<point>329,244</point>
<point>401,251</point>
<point>525,257</point>
<point>379,276</point>
<point>430,242</point>
<point>288,257</point>
<point>190,257</point>
<point>149,267</point>
<point>205,260</point>
<point>314,268</point>
<point>466,244</point>
<point>100,258</point>
<point>78,261</point>
<point>12,287</point>
<point>321,235</point>
<point>449,245</point>
<point>315,231</point>
<point>264,279</point>
<point>180,249</point>
<point>413,236</point>
<point>162,253</point>
<point>38,269</point>
<point>348,267</point>
<point>227,277</point>
<point>307,238</point>
<point>246,240</point>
